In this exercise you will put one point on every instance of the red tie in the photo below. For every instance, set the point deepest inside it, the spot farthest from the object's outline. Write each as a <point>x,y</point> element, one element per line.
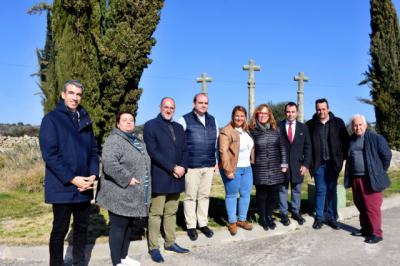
<point>290,132</point>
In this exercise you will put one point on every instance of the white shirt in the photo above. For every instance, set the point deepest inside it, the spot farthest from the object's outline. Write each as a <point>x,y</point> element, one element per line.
<point>246,145</point>
<point>202,120</point>
<point>293,128</point>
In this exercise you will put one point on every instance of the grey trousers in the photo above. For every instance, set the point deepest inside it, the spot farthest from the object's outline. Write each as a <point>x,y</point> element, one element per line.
<point>295,193</point>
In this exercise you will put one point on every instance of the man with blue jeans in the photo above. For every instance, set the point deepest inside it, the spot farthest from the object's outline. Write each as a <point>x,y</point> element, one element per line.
<point>329,140</point>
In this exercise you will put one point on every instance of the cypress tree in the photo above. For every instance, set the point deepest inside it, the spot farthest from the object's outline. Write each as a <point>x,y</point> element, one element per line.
<point>103,43</point>
<point>75,50</point>
<point>383,74</point>
<point>124,48</point>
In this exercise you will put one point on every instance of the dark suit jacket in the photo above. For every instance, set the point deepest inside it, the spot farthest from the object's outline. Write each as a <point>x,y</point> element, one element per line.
<point>165,153</point>
<point>299,152</point>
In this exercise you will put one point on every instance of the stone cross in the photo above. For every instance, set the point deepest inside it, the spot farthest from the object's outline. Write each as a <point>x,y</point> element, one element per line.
<point>203,79</point>
<point>251,67</point>
<point>300,93</point>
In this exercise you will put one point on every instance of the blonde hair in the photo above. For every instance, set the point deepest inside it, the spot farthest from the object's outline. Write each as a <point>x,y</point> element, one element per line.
<point>271,118</point>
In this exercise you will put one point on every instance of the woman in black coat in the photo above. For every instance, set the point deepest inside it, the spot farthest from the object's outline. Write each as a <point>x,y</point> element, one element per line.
<point>270,163</point>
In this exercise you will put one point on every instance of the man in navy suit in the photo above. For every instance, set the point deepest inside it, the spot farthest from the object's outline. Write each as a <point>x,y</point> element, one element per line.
<point>166,144</point>
<point>298,147</point>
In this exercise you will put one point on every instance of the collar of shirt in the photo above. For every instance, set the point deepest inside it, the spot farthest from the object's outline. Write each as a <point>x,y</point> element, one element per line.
<point>293,126</point>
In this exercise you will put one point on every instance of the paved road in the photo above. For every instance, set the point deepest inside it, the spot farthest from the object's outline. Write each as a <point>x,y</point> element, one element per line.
<point>293,245</point>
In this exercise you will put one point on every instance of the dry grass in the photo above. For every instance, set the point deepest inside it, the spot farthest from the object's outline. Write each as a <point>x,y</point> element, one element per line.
<point>22,169</point>
<point>25,219</point>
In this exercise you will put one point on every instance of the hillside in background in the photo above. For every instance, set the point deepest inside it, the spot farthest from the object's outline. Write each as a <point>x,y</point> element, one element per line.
<point>19,130</point>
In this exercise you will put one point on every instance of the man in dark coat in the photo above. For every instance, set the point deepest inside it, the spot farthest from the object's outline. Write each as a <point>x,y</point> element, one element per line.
<point>70,152</point>
<point>366,173</point>
<point>329,140</point>
<point>298,148</point>
<point>166,144</point>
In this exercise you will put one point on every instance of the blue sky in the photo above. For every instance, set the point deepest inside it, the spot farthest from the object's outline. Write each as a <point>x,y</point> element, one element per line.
<point>328,40</point>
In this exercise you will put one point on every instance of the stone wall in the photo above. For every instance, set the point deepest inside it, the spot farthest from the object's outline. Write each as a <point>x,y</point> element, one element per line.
<point>395,163</point>
<point>10,142</point>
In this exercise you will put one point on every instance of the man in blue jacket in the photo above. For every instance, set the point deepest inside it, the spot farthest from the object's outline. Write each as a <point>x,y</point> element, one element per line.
<point>369,158</point>
<point>70,152</point>
<point>166,145</point>
<point>201,131</point>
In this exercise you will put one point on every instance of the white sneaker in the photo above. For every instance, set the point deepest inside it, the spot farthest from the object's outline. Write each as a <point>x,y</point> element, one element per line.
<point>130,261</point>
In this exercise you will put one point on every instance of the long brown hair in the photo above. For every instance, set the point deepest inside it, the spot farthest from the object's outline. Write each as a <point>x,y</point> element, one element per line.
<point>240,109</point>
<point>271,118</point>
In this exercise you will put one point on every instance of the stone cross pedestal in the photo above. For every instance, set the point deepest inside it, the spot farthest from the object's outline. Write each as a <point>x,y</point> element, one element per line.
<point>203,79</point>
<point>251,67</point>
<point>300,95</point>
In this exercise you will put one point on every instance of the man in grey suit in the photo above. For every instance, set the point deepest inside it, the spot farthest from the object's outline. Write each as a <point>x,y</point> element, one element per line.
<point>298,148</point>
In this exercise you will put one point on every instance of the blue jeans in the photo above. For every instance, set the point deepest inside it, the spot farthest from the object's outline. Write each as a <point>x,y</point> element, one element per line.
<point>325,186</point>
<point>242,183</point>
<point>295,192</point>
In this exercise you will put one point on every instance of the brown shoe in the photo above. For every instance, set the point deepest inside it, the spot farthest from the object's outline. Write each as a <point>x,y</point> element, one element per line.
<point>245,225</point>
<point>232,229</point>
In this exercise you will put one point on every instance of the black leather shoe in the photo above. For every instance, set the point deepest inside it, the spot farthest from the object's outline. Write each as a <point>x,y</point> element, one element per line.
<point>285,220</point>
<point>300,220</point>
<point>373,239</point>
<point>317,224</point>
<point>270,223</point>
<point>333,224</point>
<point>192,233</point>
<point>263,223</point>
<point>206,231</point>
<point>360,232</point>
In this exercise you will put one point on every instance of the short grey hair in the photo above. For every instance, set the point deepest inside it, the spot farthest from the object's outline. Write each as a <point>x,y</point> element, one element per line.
<point>356,116</point>
<point>73,82</point>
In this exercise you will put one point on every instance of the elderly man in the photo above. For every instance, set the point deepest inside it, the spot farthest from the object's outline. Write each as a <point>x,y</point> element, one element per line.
<point>70,152</point>
<point>369,158</point>
<point>201,131</point>
<point>166,144</point>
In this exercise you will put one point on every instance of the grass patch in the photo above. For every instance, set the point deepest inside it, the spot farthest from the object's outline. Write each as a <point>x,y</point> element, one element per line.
<point>25,219</point>
<point>17,204</point>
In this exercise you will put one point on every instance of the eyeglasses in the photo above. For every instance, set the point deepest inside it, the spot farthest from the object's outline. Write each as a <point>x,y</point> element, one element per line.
<point>263,114</point>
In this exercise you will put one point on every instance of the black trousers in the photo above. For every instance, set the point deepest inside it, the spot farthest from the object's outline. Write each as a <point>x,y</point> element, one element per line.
<point>266,198</point>
<point>61,219</point>
<point>119,236</point>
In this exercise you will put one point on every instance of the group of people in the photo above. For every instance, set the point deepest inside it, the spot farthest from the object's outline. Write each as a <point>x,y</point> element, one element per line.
<point>144,178</point>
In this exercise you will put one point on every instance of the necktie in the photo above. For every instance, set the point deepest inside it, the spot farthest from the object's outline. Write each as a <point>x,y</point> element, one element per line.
<point>171,128</point>
<point>290,132</point>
